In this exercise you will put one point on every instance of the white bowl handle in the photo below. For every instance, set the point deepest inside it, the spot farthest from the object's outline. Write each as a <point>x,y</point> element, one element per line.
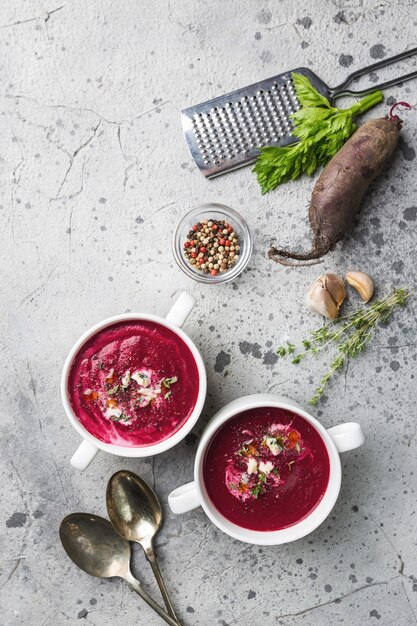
<point>347,436</point>
<point>184,498</point>
<point>83,455</point>
<point>181,309</point>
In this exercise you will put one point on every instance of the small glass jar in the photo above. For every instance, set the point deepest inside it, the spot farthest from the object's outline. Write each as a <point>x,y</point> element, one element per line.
<point>212,211</point>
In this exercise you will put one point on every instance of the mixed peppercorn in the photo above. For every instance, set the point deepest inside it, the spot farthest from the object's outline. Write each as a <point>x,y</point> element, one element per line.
<point>212,246</point>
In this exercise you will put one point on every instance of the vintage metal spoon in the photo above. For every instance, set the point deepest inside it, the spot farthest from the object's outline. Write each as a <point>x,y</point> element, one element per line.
<point>93,544</point>
<point>136,514</point>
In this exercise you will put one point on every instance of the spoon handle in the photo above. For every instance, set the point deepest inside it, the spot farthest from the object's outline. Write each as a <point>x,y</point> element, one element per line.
<point>135,586</point>
<point>151,556</point>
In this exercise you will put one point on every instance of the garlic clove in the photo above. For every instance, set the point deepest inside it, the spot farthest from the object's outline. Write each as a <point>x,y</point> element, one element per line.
<point>326,295</point>
<point>336,287</point>
<point>363,284</point>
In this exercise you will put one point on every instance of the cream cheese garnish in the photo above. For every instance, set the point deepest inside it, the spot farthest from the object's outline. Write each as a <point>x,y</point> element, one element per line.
<point>252,466</point>
<point>150,393</point>
<point>266,468</point>
<point>141,378</point>
<point>113,412</point>
<point>272,444</point>
<point>126,379</point>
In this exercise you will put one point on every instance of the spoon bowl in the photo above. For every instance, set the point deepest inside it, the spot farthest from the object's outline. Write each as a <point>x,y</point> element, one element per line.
<point>90,541</point>
<point>136,514</point>
<point>96,548</point>
<point>133,507</point>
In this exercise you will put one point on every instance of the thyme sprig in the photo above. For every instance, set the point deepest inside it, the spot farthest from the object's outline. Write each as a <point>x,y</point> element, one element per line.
<point>350,334</point>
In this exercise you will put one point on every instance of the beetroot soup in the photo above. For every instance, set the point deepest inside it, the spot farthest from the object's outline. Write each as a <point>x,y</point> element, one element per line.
<point>266,469</point>
<point>133,383</point>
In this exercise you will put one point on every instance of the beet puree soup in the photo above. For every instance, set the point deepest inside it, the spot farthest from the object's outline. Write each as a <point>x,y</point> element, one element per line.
<point>266,469</point>
<point>133,383</point>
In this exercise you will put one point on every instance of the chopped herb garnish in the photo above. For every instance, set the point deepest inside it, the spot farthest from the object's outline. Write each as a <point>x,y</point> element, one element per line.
<point>113,390</point>
<point>167,382</point>
<point>168,393</point>
<point>257,490</point>
<point>232,486</point>
<point>275,471</point>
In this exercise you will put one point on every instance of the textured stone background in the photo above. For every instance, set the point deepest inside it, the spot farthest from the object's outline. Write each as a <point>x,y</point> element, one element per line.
<point>95,173</point>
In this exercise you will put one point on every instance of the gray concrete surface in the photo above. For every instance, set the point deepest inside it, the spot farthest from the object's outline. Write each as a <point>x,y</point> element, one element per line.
<point>95,173</point>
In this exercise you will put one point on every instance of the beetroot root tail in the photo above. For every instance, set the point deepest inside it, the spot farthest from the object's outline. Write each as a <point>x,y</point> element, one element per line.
<point>283,256</point>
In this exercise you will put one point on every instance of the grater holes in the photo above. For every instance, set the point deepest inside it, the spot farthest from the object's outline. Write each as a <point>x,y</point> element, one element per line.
<point>233,129</point>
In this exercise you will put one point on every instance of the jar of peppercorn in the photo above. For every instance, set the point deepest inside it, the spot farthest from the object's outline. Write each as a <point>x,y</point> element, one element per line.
<point>212,243</point>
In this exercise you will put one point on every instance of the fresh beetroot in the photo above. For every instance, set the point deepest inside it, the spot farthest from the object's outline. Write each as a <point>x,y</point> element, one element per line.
<point>339,190</point>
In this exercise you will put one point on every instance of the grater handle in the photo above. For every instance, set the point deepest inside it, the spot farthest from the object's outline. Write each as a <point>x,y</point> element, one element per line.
<point>341,90</point>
